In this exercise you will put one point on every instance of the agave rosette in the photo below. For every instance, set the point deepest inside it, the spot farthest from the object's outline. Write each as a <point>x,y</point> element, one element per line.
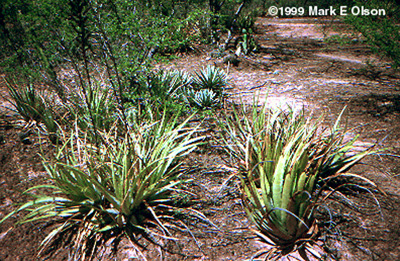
<point>282,157</point>
<point>274,150</point>
<point>122,187</point>
<point>210,77</point>
<point>205,99</point>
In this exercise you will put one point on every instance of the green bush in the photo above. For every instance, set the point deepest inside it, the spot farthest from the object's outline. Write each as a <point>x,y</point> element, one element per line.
<point>113,42</point>
<point>381,33</point>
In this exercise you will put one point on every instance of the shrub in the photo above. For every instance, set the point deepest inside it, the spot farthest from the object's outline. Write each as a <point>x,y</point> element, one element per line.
<point>382,33</point>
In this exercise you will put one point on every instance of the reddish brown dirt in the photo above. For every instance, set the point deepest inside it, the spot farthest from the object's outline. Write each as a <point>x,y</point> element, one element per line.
<point>294,66</point>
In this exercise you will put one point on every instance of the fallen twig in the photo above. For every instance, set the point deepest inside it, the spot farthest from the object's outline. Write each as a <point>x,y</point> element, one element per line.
<point>259,86</point>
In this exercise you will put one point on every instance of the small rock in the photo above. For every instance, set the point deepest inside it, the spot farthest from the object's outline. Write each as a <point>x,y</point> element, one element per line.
<point>268,57</point>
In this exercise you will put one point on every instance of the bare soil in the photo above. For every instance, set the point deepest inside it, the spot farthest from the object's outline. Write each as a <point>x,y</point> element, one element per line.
<point>295,66</point>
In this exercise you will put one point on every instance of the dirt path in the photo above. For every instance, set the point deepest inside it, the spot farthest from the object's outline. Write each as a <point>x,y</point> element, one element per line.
<point>295,67</point>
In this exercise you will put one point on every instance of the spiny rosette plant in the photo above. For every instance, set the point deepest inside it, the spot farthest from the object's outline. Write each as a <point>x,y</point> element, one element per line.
<point>205,99</point>
<point>97,112</point>
<point>165,84</point>
<point>210,77</point>
<point>163,89</point>
<point>32,106</point>
<point>122,188</point>
<point>282,156</point>
<point>28,102</point>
